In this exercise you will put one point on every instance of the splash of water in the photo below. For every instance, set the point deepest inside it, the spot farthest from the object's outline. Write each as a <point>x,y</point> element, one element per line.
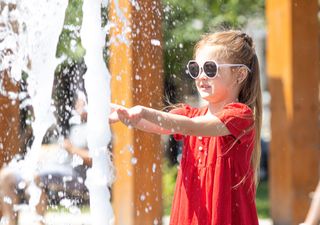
<point>13,56</point>
<point>41,25</point>
<point>29,36</point>
<point>44,22</point>
<point>29,33</point>
<point>97,83</point>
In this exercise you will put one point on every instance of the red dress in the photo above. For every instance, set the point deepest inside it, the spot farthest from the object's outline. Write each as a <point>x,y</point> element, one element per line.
<point>215,179</point>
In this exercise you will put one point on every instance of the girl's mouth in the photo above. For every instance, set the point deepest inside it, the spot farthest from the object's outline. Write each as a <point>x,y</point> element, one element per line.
<point>204,86</point>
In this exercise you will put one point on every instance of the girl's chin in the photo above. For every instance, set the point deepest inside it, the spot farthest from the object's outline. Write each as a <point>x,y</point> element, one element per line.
<point>204,94</point>
<point>206,97</point>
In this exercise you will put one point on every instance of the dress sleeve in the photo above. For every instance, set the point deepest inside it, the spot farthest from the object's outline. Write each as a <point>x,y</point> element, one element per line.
<point>183,111</point>
<point>238,118</point>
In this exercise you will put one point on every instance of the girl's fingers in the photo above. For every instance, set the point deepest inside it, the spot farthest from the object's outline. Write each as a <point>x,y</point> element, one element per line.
<point>113,117</point>
<point>123,112</point>
<point>124,116</point>
<point>131,116</point>
<point>115,107</point>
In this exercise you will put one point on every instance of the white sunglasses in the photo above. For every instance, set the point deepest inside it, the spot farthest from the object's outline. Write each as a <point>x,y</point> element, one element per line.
<point>210,68</point>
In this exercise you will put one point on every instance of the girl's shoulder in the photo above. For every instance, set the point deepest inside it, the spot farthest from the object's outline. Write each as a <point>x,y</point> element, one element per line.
<point>237,108</point>
<point>238,118</point>
<point>187,110</point>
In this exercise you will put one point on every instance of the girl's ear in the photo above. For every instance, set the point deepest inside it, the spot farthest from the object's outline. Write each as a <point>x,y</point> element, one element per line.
<point>242,75</point>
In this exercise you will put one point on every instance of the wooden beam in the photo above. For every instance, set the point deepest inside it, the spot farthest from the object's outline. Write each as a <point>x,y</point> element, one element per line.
<point>293,69</point>
<point>136,68</point>
<point>9,120</point>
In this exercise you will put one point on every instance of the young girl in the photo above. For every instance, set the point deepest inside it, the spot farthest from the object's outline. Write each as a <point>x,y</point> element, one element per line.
<point>218,173</point>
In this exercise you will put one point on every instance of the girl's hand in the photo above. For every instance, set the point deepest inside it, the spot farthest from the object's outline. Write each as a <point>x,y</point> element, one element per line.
<point>114,107</point>
<point>113,116</point>
<point>132,116</point>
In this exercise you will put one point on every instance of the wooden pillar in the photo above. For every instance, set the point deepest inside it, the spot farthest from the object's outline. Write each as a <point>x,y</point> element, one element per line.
<point>9,120</point>
<point>136,68</point>
<point>293,68</point>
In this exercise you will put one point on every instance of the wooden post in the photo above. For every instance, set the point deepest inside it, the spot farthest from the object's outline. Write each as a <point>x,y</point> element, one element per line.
<point>136,68</point>
<point>9,120</point>
<point>293,68</point>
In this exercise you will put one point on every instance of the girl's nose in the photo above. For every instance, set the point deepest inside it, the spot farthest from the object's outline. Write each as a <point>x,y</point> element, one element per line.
<point>202,75</point>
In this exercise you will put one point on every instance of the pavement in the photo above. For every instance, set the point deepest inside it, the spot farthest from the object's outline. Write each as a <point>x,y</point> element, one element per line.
<point>77,218</point>
<point>165,221</point>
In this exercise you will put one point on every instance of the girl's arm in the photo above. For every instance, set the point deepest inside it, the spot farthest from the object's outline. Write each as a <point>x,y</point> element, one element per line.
<point>141,125</point>
<point>173,123</point>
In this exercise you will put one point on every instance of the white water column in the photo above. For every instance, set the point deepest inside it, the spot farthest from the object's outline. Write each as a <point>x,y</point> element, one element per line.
<point>44,23</point>
<point>97,84</point>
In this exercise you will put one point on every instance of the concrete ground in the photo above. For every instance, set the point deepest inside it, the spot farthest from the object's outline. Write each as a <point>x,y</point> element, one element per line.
<point>62,218</point>
<point>261,221</point>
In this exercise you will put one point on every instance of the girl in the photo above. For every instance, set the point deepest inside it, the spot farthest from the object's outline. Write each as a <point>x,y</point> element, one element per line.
<point>218,173</point>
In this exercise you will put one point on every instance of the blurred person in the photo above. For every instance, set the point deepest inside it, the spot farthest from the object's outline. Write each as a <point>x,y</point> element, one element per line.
<point>56,172</point>
<point>14,187</point>
<point>313,216</point>
<point>76,145</point>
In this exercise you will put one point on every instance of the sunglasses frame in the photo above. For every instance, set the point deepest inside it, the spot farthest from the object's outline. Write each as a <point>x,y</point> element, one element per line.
<point>201,69</point>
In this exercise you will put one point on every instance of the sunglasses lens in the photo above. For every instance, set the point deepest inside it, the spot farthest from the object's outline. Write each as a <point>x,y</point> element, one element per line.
<point>210,68</point>
<point>193,69</point>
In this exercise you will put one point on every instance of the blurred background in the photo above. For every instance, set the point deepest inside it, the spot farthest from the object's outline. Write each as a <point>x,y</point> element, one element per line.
<point>287,44</point>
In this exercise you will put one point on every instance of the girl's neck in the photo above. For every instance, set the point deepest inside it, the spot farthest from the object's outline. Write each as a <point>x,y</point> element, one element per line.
<point>215,107</point>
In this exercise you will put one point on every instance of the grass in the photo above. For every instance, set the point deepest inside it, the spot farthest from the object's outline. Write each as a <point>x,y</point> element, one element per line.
<point>61,209</point>
<point>168,183</point>
<point>262,200</point>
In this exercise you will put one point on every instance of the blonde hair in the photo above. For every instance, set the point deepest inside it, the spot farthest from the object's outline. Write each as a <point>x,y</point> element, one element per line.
<point>237,47</point>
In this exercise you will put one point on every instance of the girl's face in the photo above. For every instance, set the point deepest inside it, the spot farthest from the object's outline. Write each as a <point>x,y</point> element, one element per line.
<point>223,85</point>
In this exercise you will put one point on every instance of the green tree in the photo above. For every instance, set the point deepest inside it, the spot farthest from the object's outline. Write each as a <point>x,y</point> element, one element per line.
<point>69,42</point>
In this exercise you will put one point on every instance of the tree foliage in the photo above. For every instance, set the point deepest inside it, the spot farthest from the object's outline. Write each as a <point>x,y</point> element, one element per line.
<point>184,22</point>
<point>69,42</point>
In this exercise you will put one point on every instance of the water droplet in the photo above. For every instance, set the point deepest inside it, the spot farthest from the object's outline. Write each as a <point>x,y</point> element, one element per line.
<point>155,42</point>
<point>154,167</point>
<point>134,161</point>
<point>142,197</point>
<point>137,77</point>
<point>22,185</point>
<point>7,200</point>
